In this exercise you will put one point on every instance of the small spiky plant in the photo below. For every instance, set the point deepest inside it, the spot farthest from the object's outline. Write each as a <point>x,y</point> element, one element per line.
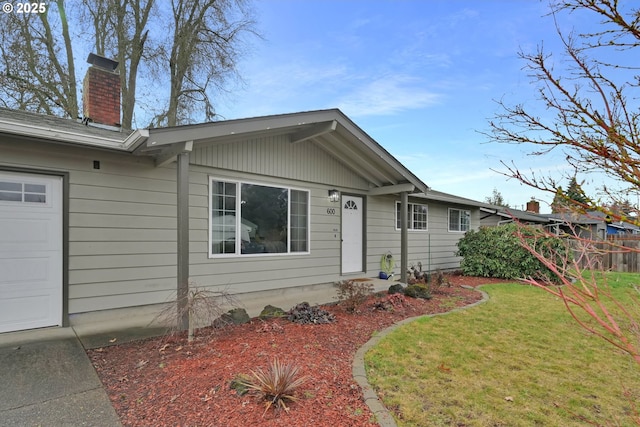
<point>277,384</point>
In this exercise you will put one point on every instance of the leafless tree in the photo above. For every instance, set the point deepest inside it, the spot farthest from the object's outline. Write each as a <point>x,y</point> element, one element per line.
<point>191,49</point>
<point>589,98</point>
<point>588,94</point>
<point>121,32</point>
<point>206,43</point>
<point>37,71</point>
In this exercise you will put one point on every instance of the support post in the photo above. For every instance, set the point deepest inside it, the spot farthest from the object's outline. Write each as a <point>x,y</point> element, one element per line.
<point>404,235</point>
<point>183,239</point>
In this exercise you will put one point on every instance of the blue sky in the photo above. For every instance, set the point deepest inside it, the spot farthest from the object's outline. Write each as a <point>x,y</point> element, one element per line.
<point>420,77</point>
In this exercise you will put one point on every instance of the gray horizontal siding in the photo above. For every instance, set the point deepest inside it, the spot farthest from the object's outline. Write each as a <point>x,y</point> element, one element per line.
<point>254,273</point>
<point>435,248</point>
<point>121,223</point>
<point>122,237</point>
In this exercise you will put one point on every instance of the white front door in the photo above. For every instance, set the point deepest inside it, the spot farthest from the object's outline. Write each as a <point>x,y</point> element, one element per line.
<point>352,215</point>
<point>30,251</point>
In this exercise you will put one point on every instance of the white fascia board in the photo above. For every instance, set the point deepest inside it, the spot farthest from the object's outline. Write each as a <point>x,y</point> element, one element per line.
<point>205,131</point>
<point>47,133</point>
<point>392,189</point>
<point>135,139</point>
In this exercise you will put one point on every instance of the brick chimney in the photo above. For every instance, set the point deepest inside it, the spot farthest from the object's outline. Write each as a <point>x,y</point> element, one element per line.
<point>533,206</point>
<point>101,92</point>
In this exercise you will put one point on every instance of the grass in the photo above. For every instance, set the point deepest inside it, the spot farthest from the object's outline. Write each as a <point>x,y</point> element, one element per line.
<point>517,360</point>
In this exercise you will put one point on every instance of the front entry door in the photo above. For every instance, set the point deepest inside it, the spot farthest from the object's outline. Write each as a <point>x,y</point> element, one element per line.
<point>352,234</point>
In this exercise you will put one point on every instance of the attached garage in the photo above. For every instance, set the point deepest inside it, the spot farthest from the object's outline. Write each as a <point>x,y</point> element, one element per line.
<point>31,251</point>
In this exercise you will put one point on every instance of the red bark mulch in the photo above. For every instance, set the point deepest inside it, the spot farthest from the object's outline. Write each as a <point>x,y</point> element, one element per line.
<point>165,381</point>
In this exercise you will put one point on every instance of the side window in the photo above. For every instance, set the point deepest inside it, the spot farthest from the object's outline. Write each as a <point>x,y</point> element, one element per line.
<point>417,216</point>
<point>459,220</point>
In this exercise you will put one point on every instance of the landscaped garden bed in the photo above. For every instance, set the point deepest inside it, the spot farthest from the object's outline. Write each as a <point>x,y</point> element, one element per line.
<point>166,381</point>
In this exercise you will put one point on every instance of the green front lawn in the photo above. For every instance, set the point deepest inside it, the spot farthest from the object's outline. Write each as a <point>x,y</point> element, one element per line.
<point>517,360</point>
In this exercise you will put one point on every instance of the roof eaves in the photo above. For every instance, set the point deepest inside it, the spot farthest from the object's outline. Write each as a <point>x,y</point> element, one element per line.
<point>49,133</point>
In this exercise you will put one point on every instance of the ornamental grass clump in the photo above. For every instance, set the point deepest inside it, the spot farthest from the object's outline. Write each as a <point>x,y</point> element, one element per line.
<point>277,384</point>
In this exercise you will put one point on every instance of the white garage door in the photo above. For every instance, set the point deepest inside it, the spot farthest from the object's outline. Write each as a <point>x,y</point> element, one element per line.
<point>30,251</point>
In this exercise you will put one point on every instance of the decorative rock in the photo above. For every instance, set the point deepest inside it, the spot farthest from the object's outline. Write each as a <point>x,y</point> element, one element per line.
<point>396,289</point>
<point>235,316</point>
<point>238,316</point>
<point>269,312</point>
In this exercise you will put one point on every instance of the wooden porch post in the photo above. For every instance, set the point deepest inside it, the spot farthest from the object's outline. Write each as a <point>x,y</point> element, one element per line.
<point>183,238</point>
<point>404,235</point>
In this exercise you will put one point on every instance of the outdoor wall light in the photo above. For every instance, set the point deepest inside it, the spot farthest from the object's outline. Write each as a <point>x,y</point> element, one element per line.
<point>334,195</point>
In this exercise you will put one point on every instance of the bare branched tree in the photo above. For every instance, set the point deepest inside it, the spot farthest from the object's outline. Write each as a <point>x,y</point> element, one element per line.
<point>207,41</point>
<point>121,32</point>
<point>590,112</point>
<point>589,95</point>
<point>191,50</point>
<point>37,71</point>
<point>584,289</point>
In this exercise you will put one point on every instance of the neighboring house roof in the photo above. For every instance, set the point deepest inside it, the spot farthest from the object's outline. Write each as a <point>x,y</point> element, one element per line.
<point>330,130</point>
<point>593,218</point>
<point>510,214</point>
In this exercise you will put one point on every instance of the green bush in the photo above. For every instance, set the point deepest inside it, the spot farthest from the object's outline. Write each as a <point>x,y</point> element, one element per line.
<point>497,252</point>
<point>418,290</point>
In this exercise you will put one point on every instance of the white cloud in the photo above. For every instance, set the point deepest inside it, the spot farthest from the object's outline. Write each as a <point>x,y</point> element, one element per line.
<point>388,95</point>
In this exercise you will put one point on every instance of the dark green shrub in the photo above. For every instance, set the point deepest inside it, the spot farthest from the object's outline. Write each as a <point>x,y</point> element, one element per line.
<point>497,252</point>
<point>418,290</point>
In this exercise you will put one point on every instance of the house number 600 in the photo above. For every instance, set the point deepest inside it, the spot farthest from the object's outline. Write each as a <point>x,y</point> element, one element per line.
<point>331,211</point>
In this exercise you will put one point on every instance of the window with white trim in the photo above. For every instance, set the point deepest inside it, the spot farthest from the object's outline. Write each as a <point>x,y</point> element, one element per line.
<point>459,220</point>
<point>247,218</point>
<point>417,216</point>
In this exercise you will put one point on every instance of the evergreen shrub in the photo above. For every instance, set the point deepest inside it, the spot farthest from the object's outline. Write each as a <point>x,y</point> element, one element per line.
<point>497,252</point>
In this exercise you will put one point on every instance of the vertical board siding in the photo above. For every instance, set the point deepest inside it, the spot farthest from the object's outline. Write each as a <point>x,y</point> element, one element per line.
<point>276,156</point>
<point>122,236</point>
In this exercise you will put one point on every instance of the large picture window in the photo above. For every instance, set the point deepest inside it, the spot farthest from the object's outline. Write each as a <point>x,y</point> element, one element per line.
<point>459,220</point>
<point>416,215</point>
<point>257,219</point>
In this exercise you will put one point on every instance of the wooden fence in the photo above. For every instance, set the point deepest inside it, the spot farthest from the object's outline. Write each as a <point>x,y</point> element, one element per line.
<point>621,253</point>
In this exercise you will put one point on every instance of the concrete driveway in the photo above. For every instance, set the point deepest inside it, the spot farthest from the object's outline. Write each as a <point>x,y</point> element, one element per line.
<point>47,379</point>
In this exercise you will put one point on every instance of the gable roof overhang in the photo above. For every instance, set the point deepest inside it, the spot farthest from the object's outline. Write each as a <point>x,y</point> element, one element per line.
<point>330,130</point>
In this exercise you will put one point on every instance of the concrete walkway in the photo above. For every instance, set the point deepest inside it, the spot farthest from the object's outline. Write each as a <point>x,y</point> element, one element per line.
<point>383,416</point>
<point>47,379</point>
